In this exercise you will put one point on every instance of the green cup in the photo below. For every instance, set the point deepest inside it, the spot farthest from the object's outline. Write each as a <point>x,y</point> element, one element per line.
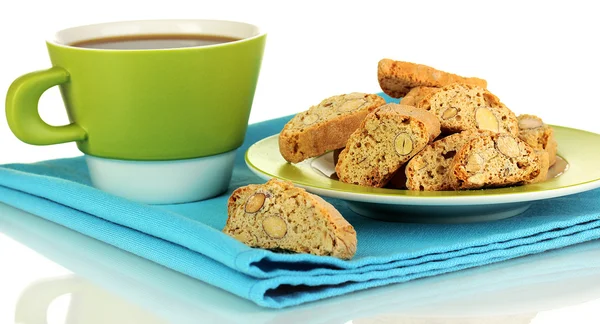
<point>157,125</point>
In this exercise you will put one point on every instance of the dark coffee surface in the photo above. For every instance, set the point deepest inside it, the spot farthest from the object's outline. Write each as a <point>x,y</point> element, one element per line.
<point>138,42</point>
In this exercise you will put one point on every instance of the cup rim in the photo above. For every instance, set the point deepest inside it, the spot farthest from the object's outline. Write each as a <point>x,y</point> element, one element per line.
<point>53,40</point>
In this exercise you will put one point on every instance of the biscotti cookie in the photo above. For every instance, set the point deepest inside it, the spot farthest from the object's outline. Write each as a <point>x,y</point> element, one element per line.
<point>462,107</point>
<point>494,161</point>
<point>428,170</point>
<point>415,95</point>
<point>326,126</point>
<point>544,167</point>
<point>397,78</point>
<point>279,216</point>
<point>538,135</point>
<point>387,138</point>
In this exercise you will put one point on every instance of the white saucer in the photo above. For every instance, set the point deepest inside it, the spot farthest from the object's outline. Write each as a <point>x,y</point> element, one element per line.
<point>579,150</point>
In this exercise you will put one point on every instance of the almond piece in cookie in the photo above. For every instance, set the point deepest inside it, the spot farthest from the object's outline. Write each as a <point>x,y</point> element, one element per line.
<point>397,78</point>
<point>387,139</point>
<point>326,126</point>
<point>462,107</point>
<point>279,216</point>
<point>495,160</point>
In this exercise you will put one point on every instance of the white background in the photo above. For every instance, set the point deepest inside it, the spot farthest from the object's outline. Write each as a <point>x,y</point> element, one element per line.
<point>539,57</point>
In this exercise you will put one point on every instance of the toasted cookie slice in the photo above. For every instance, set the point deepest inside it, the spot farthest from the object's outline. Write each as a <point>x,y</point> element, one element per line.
<point>428,170</point>
<point>538,135</point>
<point>386,139</point>
<point>397,78</point>
<point>544,167</point>
<point>278,216</point>
<point>415,95</point>
<point>494,161</point>
<point>326,126</point>
<point>462,107</point>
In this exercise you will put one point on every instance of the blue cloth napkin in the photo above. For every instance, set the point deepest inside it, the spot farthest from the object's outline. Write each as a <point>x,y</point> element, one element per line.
<point>187,237</point>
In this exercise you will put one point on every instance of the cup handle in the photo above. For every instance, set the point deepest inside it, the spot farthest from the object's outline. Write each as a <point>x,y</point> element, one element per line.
<point>22,109</point>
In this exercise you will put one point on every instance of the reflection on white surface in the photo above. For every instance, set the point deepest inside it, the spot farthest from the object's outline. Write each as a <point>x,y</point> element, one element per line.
<point>73,300</point>
<point>500,319</point>
<point>59,309</point>
<point>113,286</point>
<point>586,313</point>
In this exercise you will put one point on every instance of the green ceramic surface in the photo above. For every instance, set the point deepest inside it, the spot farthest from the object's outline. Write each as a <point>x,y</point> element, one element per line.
<point>580,149</point>
<point>163,104</point>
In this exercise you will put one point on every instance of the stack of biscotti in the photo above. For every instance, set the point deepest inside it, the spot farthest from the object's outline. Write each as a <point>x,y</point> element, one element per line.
<point>449,132</point>
<point>483,143</point>
<point>375,139</point>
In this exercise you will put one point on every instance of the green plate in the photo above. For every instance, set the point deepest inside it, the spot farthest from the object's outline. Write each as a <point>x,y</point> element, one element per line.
<point>579,152</point>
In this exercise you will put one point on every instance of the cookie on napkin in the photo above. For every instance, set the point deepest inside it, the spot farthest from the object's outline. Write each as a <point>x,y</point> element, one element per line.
<point>279,216</point>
